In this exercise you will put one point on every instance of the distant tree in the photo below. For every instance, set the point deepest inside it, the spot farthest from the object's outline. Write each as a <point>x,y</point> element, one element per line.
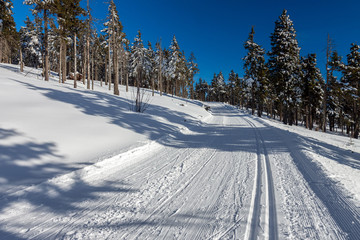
<point>193,70</point>
<point>159,61</point>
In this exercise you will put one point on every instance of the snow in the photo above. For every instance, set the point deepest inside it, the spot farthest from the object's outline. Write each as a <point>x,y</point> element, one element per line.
<point>77,164</point>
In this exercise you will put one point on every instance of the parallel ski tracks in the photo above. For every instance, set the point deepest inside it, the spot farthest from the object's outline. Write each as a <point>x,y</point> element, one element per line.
<point>263,162</point>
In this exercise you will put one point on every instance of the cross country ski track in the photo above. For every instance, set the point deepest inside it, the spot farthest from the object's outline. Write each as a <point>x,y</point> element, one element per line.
<point>233,177</point>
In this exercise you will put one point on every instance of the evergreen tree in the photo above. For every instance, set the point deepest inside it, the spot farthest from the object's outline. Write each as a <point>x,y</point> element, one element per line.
<point>256,71</point>
<point>334,92</point>
<point>284,66</point>
<point>351,87</point>
<point>176,66</point>
<point>44,7</point>
<point>232,87</point>
<point>8,34</point>
<point>67,12</point>
<point>311,91</point>
<point>139,63</point>
<point>113,32</point>
<point>193,70</point>
<point>159,62</point>
<point>30,39</point>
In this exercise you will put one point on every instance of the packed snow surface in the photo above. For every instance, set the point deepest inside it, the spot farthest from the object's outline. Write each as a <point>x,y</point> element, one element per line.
<point>78,164</point>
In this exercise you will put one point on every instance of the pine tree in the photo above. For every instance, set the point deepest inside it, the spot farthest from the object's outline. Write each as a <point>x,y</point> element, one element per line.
<point>334,92</point>
<point>45,7</point>
<point>113,32</point>
<point>67,12</point>
<point>284,66</point>
<point>232,87</point>
<point>30,39</point>
<point>193,70</point>
<point>139,63</point>
<point>311,89</point>
<point>8,34</point>
<point>256,71</point>
<point>176,66</point>
<point>351,82</point>
<point>159,61</point>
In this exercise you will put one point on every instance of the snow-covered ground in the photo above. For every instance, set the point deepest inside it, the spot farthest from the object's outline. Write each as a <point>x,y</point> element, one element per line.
<point>77,164</point>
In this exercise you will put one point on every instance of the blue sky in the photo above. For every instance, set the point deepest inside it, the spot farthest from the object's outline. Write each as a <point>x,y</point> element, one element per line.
<point>216,30</point>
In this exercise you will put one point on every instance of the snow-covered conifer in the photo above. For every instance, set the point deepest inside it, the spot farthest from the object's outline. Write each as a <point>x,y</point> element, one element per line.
<point>256,71</point>
<point>284,66</point>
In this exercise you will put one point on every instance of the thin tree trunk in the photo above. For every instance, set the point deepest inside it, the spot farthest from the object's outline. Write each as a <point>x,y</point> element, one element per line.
<point>92,71</point>
<point>328,53</point>
<point>75,67</point>
<point>46,46</point>
<point>21,61</point>
<point>106,70</point>
<point>109,66</point>
<point>63,61</point>
<point>88,59</point>
<point>127,81</point>
<point>1,48</point>
<point>60,62</point>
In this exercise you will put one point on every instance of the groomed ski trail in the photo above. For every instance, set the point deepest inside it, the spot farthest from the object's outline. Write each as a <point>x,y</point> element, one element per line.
<point>232,177</point>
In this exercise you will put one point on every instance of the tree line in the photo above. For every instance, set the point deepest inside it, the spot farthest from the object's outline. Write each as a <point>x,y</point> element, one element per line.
<point>290,87</point>
<point>281,83</point>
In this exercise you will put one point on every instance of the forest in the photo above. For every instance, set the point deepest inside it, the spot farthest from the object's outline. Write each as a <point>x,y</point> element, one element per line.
<point>60,37</point>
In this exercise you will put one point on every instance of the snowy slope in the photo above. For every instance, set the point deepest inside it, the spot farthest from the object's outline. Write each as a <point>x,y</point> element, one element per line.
<point>77,164</point>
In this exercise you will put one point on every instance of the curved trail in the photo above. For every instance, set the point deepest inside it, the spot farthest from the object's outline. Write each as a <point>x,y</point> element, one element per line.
<point>233,177</point>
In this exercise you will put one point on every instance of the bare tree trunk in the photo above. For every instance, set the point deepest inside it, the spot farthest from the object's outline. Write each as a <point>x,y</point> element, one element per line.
<point>92,71</point>
<point>21,61</point>
<point>46,46</point>
<point>328,53</point>
<point>87,66</point>
<point>63,61</point>
<point>127,81</point>
<point>116,60</point>
<point>160,73</point>
<point>60,62</point>
<point>109,67</point>
<point>153,85</point>
<point>75,67</point>
<point>1,48</point>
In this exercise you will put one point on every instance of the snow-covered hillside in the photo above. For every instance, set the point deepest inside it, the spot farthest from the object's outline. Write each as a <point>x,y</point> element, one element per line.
<point>78,164</point>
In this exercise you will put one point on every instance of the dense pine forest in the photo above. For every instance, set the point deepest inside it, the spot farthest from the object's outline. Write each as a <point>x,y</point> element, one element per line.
<point>60,37</point>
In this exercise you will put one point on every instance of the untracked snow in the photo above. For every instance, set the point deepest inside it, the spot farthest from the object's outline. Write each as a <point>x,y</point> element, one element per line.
<point>78,164</point>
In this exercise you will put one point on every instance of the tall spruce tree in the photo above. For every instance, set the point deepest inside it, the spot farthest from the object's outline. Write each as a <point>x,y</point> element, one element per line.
<point>255,69</point>
<point>284,66</point>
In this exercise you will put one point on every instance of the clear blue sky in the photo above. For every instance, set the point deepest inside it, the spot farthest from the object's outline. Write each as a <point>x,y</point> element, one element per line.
<point>216,30</point>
